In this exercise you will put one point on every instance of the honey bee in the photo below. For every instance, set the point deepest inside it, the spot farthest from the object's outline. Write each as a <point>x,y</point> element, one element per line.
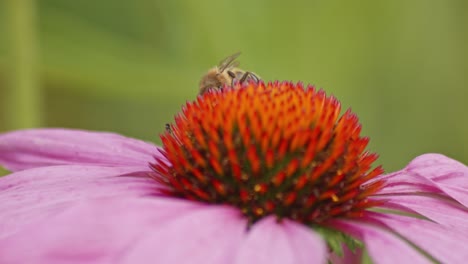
<point>226,73</point>
<point>168,128</point>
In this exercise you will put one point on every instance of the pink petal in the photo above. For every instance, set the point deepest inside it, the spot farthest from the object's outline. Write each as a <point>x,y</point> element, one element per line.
<point>270,242</point>
<point>402,182</point>
<point>209,236</point>
<point>36,193</point>
<point>95,231</point>
<point>382,246</point>
<point>447,245</point>
<point>431,173</point>
<point>440,169</point>
<point>450,175</point>
<point>443,211</point>
<point>44,147</point>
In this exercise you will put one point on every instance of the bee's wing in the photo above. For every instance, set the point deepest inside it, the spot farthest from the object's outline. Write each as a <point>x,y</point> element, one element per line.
<point>234,64</point>
<point>229,62</point>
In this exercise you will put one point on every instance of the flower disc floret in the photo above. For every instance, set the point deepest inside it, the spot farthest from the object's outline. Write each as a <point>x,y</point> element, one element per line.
<point>269,149</point>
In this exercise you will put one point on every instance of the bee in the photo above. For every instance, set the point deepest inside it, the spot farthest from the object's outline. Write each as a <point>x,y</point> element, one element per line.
<point>168,128</point>
<point>226,73</point>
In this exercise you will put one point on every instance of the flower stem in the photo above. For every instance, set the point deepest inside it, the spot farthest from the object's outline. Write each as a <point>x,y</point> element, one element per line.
<point>23,102</point>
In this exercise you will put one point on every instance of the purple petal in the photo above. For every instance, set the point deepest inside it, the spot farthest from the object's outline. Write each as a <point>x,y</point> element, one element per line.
<point>402,182</point>
<point>443,211</point>
<point>447,245</point>
<point>382,246</point>
<point>36,193</point>
<point>210,236</point>
<point>431,173</point>
<point>439,168</point>
<point>449,175</point>
<point>96,231</point>
<point>45,147</point>
<point>271,242</point>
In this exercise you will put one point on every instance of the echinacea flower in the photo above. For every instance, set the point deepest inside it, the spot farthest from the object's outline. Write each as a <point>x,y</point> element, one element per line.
<point>257,174</point>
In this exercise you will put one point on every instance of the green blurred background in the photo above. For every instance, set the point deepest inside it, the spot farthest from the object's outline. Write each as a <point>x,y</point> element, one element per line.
<point>128,66</point>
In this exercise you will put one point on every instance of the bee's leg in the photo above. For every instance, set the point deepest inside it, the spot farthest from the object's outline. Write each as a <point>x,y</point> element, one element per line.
<point>244,77</point>
<point>247,75</point>
<point>232,75</point>
<point>254,77</point>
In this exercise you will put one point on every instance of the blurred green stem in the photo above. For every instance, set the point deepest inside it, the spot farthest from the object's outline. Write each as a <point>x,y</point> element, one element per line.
<point>24,95</point>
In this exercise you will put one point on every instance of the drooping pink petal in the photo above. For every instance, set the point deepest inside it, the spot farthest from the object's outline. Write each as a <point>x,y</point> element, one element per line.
<point>36,193</point>
<point>402,182</point>
<point>447,245</point>
<point>270,242</point>
<point>25,149</point>
<point>446,212</point>
<point>383,247</point>
<point>449,175</point>
<point>440,168</point>
<point>430,173</point>
<point>212,235</point>
<point>96,231</point>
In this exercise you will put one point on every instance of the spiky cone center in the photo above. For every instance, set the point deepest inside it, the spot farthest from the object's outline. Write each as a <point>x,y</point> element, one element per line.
<point>269,149</point>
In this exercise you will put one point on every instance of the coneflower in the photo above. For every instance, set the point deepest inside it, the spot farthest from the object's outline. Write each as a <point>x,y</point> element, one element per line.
<point>263,173</point>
